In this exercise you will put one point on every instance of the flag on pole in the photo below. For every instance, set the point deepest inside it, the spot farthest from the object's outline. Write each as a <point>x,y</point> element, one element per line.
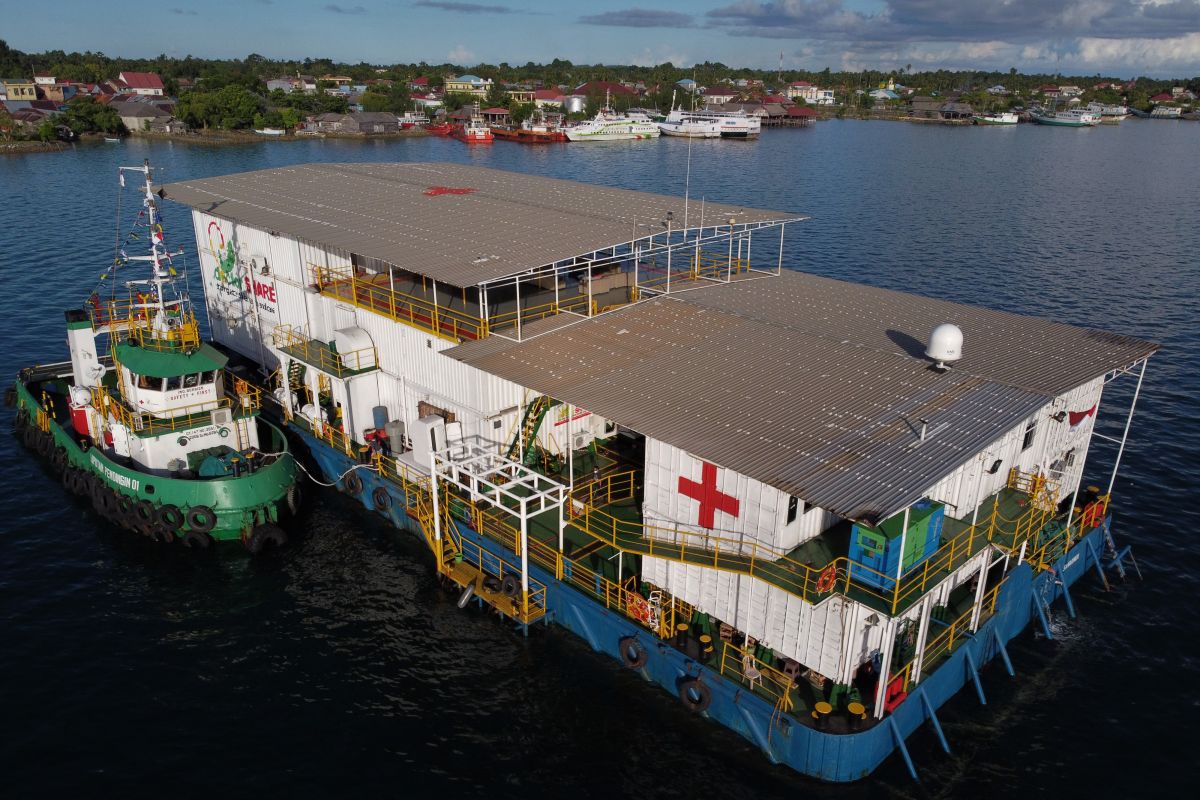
<point>121,177</point>
<point>1076,418</point>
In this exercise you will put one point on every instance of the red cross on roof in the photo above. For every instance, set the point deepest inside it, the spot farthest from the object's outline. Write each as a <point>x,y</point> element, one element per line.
<point>711,498</point>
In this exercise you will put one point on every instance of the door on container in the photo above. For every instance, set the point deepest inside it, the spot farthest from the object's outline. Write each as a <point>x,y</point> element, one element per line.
<point>872,550</point>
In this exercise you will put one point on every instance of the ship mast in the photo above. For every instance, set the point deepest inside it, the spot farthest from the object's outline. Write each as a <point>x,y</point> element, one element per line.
<point>161,274</point>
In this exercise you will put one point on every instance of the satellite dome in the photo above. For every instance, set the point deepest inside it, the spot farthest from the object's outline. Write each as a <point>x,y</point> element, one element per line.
<point>945,344</point>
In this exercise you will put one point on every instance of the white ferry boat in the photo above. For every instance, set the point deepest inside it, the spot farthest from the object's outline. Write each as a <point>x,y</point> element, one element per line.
<point>1001,118</point>
<point>1109,115</point>
<point>733,124</point>
<point>725,475</point>
<point>608,126</point>
<point>688,125</point>
<point>1073,118</point>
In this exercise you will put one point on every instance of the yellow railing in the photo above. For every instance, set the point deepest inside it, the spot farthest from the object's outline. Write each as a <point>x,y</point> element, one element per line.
<point>321,355</point>
<point>716,265</point>
<point>129,318</point>
<point>242,398</point>
<point>345,284</point>
<point>734,665</point>
<point>533,313</point>
<point>947,639</point>
<point>727,552</point>
<point>1042,491</point>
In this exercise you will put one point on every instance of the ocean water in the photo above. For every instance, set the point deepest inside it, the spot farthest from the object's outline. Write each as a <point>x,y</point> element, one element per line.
<point>337,666</point>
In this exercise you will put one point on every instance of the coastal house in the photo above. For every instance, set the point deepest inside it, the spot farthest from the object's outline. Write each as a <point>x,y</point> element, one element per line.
<point>998,91</point>
<point>419,84</point>
<point>716,95</point>
<point>1163,97</point>
<point>338,81</point>
<point>1070,91</point>
<point>800,116</point>
<point>883,95</point>
<point>55,92</point>
<point>521,94</point>
<point>612,88</point>
<point>286,84</point>
<point>44,79</point>
<point>547,97</point>
<point>370,122</point>
<point>495,116</point>
<point>148,118</point>
<point>1049,90</point>
<point>468,84</point>
<point>18,89</point>
<point>813,95</point>
<point>329,122</point>
<point>143,83</point>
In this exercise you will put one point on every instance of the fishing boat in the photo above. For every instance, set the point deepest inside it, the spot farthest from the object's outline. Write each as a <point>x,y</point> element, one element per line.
<point>473,131</point>
<point>1001,118</point>
<point>1073,118</point>
<point>1166,112</point>
<point>270,131</point>
<point>796,527</point>
<point>411,120</point>
<point>535,130</point>
<point>145,420</point>
<point>1109,114</point>
<point>439,128</point>
<point>112,139</point>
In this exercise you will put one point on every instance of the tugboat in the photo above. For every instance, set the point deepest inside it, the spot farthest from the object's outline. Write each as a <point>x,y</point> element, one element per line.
<point>474,130</point>
<point>146,422</point>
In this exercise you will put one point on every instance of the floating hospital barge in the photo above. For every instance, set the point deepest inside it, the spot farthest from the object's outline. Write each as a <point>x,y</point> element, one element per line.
<point>609,411</point>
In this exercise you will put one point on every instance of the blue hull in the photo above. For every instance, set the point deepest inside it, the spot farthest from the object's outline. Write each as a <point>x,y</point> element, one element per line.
<point>830,757</point>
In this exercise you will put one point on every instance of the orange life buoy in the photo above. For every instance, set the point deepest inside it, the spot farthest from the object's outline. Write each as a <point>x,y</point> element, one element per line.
<point>827,580</point>
<point>637,607</point>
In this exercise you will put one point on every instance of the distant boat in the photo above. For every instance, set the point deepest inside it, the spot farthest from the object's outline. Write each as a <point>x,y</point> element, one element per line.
<point>683,123</point>
<point>270,131</point>
<point>535,130</point>
<point>608,126</point>
<point>112,140</point>
<point>473,131</point>
<point>439,129</point>
<point>1166,112</point>
<point>1002,118</point>
<point>1109,115</point>
<point>1075,118</point>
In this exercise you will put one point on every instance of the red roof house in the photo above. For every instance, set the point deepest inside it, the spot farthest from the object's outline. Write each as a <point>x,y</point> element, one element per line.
<point>141,83</point>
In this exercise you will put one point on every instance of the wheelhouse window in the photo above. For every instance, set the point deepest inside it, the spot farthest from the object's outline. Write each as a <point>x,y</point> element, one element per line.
<point>174,382</point>
<point>1030,431</point>
<point>147,382</point>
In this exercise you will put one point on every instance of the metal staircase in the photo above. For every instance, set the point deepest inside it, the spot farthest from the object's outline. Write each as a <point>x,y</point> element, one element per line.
<point>531,423</point>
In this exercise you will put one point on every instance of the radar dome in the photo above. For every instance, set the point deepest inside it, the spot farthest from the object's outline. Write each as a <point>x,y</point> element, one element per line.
<point>945,344</point>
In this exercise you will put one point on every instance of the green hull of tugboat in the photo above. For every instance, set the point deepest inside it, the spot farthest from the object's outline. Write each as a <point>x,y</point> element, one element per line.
<point>197,512</point>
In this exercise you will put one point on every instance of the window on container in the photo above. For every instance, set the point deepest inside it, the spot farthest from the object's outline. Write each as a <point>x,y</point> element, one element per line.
<point>1030,431</point>
<point>793,509</point>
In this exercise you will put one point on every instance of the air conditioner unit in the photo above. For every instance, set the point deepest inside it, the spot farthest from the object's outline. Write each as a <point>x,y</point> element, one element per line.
<point>581,441</point>
<point>222,416</point>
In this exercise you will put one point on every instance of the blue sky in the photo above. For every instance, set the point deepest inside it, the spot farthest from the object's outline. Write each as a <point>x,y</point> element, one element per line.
<point>1118,37</point>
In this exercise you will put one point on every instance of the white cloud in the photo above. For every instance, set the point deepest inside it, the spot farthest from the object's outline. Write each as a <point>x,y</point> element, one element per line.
<point>460,55</point>
<point>1178,52</point>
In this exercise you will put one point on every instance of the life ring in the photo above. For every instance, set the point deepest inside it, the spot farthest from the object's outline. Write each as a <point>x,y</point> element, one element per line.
<point>637,607</point>
<point>827,579</point>
<point>201,519</point>
<point>510,585</point>
<point>352,484</point>
<point>264,536</point>
<point>170,517</point>
<point>694,695</point>
<point>632,652</point>
<point>196,540</point>
<point>381,499</point>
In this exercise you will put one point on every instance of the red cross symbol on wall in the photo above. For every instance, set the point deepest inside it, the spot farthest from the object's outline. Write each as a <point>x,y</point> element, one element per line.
<point>711,498</point>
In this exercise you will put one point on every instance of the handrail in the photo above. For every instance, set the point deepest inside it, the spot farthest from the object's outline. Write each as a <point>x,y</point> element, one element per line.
<point>245,400</point>
<point>772,681</point>
<point>445,323</point>
<point>320,354</point>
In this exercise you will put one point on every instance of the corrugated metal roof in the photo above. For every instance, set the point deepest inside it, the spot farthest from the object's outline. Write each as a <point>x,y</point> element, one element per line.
<point>507,224</point>
<point>825,407</point>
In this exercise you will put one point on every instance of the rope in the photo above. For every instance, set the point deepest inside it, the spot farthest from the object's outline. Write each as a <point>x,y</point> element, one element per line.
<point>309,475</point>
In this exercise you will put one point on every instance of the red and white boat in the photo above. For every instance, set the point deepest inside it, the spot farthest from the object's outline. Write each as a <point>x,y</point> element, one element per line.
<point>473,131</point>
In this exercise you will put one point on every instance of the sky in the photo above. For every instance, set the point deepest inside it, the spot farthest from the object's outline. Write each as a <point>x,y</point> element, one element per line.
<point>1121,38</point>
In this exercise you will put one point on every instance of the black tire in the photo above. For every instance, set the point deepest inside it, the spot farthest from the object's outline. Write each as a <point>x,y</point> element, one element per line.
<point>29,437</point>
<point>294,498</point>
<point>265,537</point>
<point>632,653</point>
<point>161,534</point>
<point>58,458</point>
<point>22,418</point>
<point>511,585</point>
<point>694,695</point>
<point>68,479</point>
<point>170,516</point>
<point>45,444</point>
<point>201,519</point>
<point>144,515</point>
<point>381,499</point>
<point>196,540</point>
<point>352,484</point>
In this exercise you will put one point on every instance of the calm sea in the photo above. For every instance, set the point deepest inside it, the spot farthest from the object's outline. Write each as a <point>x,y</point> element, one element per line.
<point>338,667</point>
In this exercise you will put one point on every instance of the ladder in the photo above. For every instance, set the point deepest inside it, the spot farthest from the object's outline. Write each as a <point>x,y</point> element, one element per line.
<point>531,423</point>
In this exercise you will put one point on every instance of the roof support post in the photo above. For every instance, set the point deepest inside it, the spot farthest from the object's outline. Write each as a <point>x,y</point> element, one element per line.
<point>668,255</point>
<point>779,263</point>
<point>433,491</point>
<point>729,258</point>
<point>980,588</point>
<point>1128,422</point>
<point>922,636</point>
<point>437,325</point>
<point>589,282</point>
<point>900,560</point>
<point>524,556</point>
<point>885,665</point>
<point>517,285</point>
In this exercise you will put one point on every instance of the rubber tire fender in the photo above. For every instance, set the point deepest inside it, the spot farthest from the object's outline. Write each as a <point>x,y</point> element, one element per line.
<point>159,532</point>
<point>352,484</point>
<point>510,585</point>
<point>381,499</point>
<point>201,519</point>
<point>633,654</point>
<point>196,540</point>
<point>695,696</point>
<point>265,536</point>
<point>145,514</point>
<point>170,516</point>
